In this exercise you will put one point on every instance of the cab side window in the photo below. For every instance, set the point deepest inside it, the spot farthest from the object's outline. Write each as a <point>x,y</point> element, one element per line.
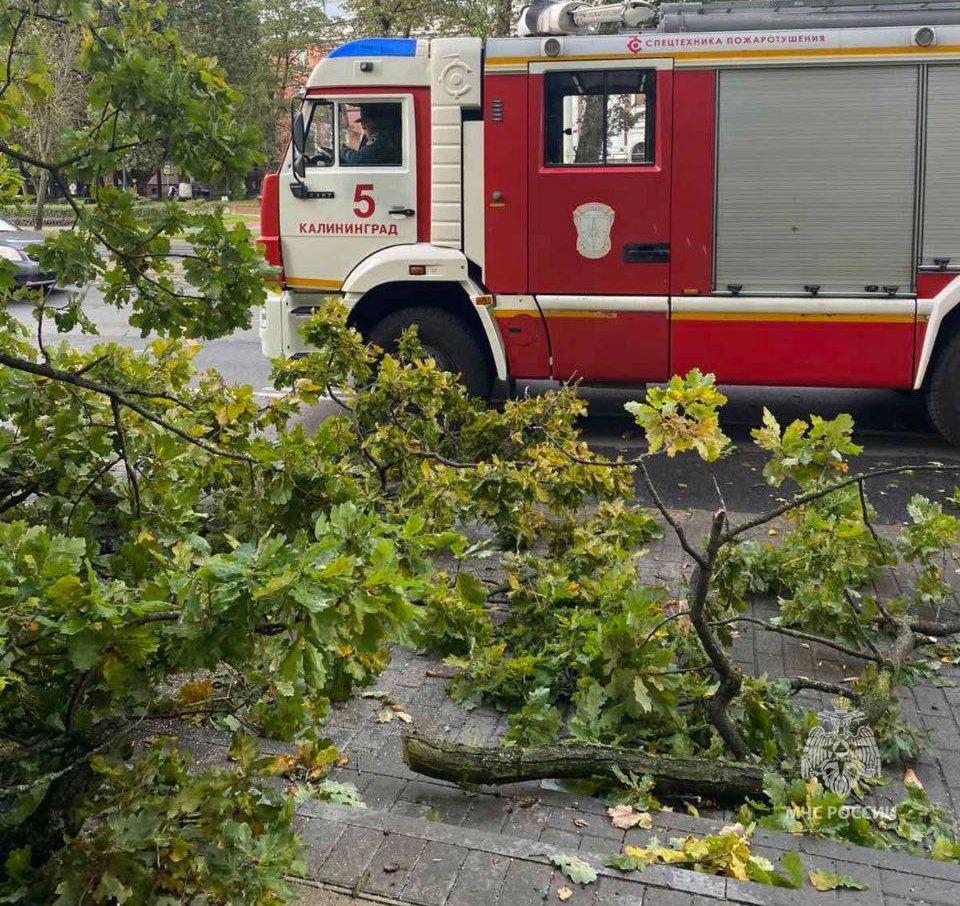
<point>371,134</point>
<point>320,136</point>
<point>600,118</point>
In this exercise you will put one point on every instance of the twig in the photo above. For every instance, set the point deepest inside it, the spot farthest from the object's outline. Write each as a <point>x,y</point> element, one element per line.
<point>8,78</point>
<point>88,487</point>
<point>41,307</point>
<point>798,634</point>
<point>860,630</point>
<point>91,365</point>
<point>164,616</point>
<point>121,447</point>
<point>674,616</point>
<point>75,698</point>
<point>696,555</point>
<point>730,676</point>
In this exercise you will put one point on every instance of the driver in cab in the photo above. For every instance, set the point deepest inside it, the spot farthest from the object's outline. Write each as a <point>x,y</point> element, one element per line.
<point>377,141</point>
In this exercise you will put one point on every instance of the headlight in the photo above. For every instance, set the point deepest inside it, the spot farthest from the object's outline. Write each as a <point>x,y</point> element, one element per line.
<point>10,253</point>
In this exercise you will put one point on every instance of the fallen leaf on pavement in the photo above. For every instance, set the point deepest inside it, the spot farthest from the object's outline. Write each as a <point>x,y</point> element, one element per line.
<point>625,817</point>
<point>828,880</point>
<point>575,869</point>
<point>440,673</point>
<point>910,778</point>
<point>564,894</point>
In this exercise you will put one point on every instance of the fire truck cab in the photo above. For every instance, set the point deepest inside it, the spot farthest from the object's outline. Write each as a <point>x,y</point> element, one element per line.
<point>768,193</point>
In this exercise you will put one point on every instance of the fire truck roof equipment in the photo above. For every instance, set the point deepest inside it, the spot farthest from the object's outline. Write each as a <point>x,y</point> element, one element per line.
<point>573,17</point>
<point>760,15</point>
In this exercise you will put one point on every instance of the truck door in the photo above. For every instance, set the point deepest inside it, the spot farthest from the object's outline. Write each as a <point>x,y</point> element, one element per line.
<point>359,194</point>
<point>599,228</point>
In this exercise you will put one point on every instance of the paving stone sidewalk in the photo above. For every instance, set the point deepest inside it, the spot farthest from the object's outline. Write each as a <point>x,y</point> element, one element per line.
<point>430,843</point>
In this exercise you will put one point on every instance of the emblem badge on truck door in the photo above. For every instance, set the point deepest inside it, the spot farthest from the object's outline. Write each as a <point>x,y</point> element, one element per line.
<point>594,222</point>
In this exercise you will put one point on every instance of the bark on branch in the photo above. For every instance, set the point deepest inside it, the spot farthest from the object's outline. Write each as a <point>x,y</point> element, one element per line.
<point>713,778</point>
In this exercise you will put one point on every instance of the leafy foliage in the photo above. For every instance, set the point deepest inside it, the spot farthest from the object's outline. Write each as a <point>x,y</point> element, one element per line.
<point>912,825</point>
<point>726,854</point>
<point>171,548</point>
<point>683,417</point>
<point>161,833</point>
<point>187,532</point>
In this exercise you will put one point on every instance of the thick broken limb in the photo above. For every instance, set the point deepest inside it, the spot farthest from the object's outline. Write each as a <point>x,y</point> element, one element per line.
<point>712,778</point>
<point>730,676</point>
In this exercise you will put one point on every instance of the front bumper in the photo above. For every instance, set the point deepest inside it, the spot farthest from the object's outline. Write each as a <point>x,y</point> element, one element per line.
<point>29,276</point>
<point>281,323</point>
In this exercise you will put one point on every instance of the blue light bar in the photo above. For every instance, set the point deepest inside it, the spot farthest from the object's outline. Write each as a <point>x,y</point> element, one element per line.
<point>377,47</point>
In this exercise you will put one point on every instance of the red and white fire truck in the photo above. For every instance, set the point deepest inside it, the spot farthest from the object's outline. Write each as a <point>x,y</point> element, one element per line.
<point>766,191</point>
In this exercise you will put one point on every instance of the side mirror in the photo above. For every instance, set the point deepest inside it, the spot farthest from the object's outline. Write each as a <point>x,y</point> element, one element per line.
<point>299,141</point>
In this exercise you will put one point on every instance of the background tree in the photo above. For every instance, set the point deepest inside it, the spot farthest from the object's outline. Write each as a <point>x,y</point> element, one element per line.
<point>481,18</point>
<point>230,32</point>
<point>294,34</point>
<point>48,115</point>
<point>266,49</point>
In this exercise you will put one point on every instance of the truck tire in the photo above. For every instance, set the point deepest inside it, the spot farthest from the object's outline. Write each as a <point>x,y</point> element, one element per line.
<point>452,344</point>
<point>943,391</point>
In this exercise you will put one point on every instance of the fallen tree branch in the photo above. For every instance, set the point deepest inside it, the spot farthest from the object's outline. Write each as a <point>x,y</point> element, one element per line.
<point>729,674</point>
<point>799,683</point>
<point>712,778</point>
<point>934,629</point>
<point>826,490</point>
<point>14,500</point>
<point>116,395</point>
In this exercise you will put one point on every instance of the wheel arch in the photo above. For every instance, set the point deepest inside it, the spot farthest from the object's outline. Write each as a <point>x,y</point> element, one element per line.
<point>383,282</point>
<point>943,322</point>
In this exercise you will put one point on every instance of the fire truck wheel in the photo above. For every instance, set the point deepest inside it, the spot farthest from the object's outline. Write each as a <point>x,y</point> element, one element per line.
<point>943,391</point>
<point>445,337</point>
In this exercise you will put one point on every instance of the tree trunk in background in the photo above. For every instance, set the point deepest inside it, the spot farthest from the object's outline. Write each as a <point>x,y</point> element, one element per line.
<point>41,200</point>
<point>504,21</point>
<point>591,142</point>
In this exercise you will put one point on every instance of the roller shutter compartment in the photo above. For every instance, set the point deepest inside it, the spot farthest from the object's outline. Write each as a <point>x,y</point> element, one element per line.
<point>941,223</point>
<point>816,175</point>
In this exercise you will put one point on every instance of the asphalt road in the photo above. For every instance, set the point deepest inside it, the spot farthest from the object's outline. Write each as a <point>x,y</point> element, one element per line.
<point>892,426</point>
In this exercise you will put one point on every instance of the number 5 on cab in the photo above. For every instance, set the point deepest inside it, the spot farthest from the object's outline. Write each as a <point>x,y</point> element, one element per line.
<point>365,204</point>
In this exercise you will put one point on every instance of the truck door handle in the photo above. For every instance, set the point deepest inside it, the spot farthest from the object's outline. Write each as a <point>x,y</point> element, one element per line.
<point>403,212</point>
<point>646,253</point>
